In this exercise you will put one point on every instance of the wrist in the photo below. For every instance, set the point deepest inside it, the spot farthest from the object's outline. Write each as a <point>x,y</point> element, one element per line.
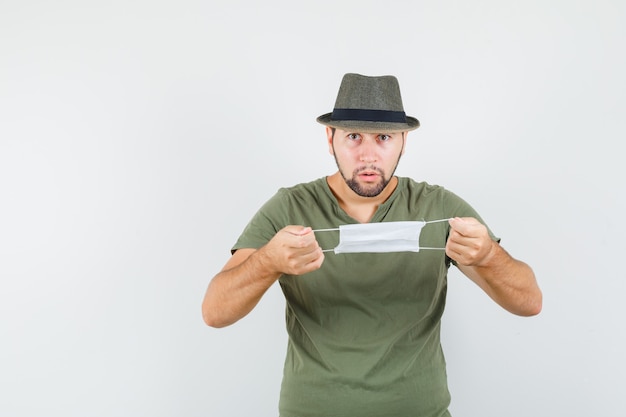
<point>491,257</point>
<point>264,265</point>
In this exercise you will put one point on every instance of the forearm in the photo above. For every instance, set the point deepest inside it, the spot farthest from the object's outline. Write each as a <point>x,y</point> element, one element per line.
<point>236,290</point>
<point>508,281</point>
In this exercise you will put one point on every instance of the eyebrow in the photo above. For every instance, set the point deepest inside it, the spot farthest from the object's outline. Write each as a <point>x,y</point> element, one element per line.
<point>349,132</point>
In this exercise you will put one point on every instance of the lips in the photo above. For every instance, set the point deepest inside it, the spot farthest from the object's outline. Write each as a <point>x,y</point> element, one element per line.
<point>369,174</point>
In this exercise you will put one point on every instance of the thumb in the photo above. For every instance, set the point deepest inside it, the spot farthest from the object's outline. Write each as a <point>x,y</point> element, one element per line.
<point>298,230</point>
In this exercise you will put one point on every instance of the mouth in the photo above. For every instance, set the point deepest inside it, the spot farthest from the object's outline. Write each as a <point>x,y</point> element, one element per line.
<point>369,175</point>
<point>367,181</point>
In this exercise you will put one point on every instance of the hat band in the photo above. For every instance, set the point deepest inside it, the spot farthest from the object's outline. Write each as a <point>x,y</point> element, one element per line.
<point>369,115</point>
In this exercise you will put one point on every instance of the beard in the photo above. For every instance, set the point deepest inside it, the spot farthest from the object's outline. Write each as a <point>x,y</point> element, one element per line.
<point>367,191</point>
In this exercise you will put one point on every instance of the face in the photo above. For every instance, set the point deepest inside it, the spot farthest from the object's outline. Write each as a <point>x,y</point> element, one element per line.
<point>366,161</point>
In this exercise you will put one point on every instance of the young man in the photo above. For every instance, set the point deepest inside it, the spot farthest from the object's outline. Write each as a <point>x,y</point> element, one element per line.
<point>364,327</point>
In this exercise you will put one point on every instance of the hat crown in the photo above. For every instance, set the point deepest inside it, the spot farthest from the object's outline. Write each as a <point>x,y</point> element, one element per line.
<point>369,104</point>
<point>369,93</point>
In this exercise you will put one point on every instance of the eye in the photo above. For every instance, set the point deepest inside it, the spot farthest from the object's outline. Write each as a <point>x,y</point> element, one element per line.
<point>383,137</point>
<point>354,136</point>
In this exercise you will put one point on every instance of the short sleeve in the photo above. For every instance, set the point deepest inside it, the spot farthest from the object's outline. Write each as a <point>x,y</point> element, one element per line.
<point>265,223</point>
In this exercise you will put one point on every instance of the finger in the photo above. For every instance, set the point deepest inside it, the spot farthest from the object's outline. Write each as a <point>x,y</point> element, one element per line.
<point>454,247</point>
<point>453,253</point>
<point>458,224</point>
<point>303,243</point>
<point>298,230</point>
<point>313,255</point>
<point>304,231</point>
<point>458,252</point>
<point>306,262</point>
<point>314,259</point>
<point>459,239</point>
<point>297,237</point>
<point>467,226</point>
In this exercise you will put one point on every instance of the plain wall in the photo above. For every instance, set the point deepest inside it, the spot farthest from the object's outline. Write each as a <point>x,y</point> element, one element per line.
<point>137,138</point>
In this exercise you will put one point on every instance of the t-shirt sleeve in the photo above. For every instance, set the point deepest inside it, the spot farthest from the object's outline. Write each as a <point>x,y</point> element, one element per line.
<point>265,223</point>
<point>455,206</point>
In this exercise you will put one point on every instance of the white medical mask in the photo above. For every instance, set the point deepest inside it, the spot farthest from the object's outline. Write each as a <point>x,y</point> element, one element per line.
<point>381,237</point>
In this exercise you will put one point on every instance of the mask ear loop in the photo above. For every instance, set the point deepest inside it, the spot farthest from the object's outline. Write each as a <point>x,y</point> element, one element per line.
<point>435,221</point>
<point>326,230</point>
<point>425,222</point>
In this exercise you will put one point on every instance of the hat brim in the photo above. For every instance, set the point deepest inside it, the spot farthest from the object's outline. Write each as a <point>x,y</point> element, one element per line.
<point>369,127</point>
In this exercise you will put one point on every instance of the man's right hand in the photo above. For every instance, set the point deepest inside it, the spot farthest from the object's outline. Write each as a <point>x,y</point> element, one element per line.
<point>234,291</point>
<point>293,251</point>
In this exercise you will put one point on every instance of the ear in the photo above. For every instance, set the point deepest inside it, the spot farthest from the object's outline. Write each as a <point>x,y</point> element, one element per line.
<point>329,138</point>
<point>404,135</point>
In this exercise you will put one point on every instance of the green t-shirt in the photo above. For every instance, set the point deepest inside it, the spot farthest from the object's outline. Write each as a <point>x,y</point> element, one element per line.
<point>364,329</point>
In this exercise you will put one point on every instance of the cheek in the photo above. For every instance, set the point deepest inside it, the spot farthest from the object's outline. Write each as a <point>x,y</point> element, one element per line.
<point>342,153</point>
<point>341,159</point>
<point>389,154</point>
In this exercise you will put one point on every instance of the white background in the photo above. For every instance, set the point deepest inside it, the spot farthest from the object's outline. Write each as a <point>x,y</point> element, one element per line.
<point>137,138</point>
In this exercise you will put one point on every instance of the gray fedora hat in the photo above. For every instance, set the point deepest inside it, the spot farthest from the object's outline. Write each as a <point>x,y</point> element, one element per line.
<point>370,105</point>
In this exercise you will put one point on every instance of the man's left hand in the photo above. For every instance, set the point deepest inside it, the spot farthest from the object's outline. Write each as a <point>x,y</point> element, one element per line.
<point>469,242</point>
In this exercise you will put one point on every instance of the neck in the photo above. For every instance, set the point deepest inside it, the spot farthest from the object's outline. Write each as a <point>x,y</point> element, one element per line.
<point>358,207</point>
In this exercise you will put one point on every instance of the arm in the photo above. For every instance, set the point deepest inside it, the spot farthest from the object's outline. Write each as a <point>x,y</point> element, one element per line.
<point>509,282</point>
<point>249,273</point>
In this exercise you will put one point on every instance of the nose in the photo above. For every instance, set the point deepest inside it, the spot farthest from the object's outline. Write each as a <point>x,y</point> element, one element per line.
<point>367,150</point>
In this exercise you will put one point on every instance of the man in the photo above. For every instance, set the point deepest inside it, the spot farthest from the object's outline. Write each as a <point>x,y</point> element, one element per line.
<point>364,327</point>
